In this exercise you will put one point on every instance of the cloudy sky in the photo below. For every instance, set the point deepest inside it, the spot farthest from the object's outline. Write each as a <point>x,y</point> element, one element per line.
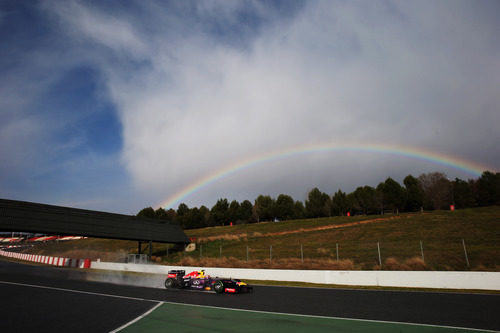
<point>120,105</point>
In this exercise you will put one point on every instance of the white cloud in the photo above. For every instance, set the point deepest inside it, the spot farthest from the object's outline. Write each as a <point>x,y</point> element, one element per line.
<point>405,73</point>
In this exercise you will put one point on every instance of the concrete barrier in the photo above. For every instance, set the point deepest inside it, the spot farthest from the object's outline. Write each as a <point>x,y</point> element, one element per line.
<point>405,279</point>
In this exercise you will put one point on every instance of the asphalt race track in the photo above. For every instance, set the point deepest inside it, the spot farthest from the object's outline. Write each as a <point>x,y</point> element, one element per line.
<point>50,299</point>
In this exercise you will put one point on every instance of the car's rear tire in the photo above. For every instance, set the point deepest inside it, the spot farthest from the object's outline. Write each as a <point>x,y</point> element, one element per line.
<point>219,287</point>
<point>169,283</point>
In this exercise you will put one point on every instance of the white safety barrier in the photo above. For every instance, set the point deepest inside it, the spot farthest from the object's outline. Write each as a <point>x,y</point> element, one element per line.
<point>54,261</point>
<point>405,279</point>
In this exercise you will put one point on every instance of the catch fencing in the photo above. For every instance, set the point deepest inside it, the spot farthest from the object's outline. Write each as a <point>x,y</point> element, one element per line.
<point>449,255</point>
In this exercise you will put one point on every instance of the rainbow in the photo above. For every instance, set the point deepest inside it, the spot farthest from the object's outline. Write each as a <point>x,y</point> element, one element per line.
<point>469,167</point>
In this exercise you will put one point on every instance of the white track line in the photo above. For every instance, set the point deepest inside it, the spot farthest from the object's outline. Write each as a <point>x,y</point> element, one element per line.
<point>335,318</point>
<point>145,314</point>
<point>95,294</point>
<point>77,291</point>
<point>230,309</point>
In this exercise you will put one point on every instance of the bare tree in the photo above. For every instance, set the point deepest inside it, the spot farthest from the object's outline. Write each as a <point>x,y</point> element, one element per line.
<point>438,191</point>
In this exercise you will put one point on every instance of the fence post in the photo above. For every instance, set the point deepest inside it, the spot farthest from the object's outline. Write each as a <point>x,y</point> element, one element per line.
<point>220,251</point>
<point>270,254</point>
<point>379,257</point>
<point>301,253</point>
<point>422,251</point>
<point>337,247</point>
<point>465,251</point>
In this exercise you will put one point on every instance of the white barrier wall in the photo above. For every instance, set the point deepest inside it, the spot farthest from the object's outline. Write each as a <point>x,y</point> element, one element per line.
<point>410,279</point>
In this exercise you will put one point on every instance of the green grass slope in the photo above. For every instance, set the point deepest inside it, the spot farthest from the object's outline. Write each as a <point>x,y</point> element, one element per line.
<point>313,244</point>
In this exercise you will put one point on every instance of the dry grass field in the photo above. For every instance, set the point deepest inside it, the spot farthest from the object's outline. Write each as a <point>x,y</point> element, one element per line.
<point>344,243</point>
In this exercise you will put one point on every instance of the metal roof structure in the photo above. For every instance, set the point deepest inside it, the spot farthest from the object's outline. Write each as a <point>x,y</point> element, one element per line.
<point>57,220</point>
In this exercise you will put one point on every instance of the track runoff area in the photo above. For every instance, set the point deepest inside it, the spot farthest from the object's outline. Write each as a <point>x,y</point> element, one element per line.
<point>179,317</point>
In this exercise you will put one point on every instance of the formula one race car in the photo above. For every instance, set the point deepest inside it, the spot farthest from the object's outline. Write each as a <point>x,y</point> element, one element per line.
<point>198,280</point>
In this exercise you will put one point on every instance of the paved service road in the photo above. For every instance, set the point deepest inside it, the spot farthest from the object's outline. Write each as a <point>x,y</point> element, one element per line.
<point>73,304</point>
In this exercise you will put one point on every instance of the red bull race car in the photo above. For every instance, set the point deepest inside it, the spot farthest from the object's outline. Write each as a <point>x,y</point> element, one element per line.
<point>198,280</point>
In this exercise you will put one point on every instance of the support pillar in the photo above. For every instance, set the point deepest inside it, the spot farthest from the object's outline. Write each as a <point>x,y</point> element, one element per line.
<point>150,250</point>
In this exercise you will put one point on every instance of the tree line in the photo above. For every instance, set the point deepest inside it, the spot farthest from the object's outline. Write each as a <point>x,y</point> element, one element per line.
<point>429,191</point>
